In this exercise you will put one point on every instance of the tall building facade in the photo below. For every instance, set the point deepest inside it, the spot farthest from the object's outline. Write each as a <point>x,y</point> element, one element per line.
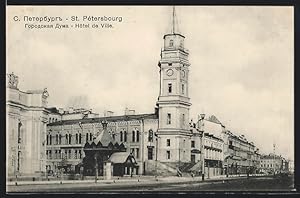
<point>26,118</point>
<point>174,102</point>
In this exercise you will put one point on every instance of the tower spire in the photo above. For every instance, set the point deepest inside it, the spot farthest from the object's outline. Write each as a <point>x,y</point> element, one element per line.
<point>173,21</point>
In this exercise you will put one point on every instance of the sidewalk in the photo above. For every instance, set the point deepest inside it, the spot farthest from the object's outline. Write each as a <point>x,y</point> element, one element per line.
<point>131,180</point>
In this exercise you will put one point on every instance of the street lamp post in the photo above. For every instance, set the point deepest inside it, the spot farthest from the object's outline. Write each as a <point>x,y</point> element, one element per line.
<point>96,168</point>
<point>156,153</point>
<point>202,116</point>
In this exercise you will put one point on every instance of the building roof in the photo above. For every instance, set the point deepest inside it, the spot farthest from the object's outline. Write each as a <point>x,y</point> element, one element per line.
<point>108,119</point>
<point>105,138</point>
<point>53,110</point>
<point>120,157</point>
<point>214,119</point>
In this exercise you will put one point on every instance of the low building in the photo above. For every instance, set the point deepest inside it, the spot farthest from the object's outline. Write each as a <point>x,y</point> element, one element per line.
<point>70,114</point>
<point>66,139</point>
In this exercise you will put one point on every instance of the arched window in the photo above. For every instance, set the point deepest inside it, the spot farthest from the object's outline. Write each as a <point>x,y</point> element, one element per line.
<point>76,138</point>
<point>70,138</point>
<point>125,136</point>
<point>133,136</point>
<point>150,136</point>
<point>80,138</point>
<point>56,120</point>
<point>121,136</point>
<point>50,139</point>
<point>67,138</point>
<point>59,138</point>
<point>56,139</point>
<point>47,142</point>
<point>86,137</point>
<point>80,154</point>
<point>171,43</point>
<point>137,136</point>
<point>91,137</point>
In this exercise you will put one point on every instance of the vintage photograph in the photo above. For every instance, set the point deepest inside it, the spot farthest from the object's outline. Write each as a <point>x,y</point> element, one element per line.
<point>149,99</point>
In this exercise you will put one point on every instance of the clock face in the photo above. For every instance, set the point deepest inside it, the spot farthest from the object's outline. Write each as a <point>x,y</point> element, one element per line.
<point>170,72</point>
<point>182,73</point>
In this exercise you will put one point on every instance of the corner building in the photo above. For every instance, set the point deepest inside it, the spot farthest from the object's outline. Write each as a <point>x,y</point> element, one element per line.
<point>26,118</point>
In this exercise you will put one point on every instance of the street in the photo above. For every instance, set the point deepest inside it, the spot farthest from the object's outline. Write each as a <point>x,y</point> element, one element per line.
<point>236,184</point>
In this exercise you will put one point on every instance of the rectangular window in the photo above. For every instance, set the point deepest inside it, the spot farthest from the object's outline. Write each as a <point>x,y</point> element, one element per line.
<point>182,88</point>
<point>80,156</point>
<point>169,118</point>
<point>132,151</point>
<point>133,136</point>
<point>193,144</point>
<point>168,142</point>
<point>168,155</point>
<point>137,153</point>
<point>150,153</point>
<point>183,120</point>
<point>170,87</point>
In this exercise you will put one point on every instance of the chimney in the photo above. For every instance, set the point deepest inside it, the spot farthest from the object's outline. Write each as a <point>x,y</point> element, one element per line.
<point>108,113</point>
<point>126,111</point>
<point>60,110</point>
<point>131,112</point>
<point>71,109</point>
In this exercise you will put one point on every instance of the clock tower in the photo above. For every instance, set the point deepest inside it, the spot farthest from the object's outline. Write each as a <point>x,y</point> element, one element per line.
<point>174,136</point>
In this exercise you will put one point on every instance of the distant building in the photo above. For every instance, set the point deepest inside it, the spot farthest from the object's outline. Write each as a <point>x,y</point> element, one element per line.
<point>27,117</point>
<point>70,114</point>
<point>273,163</point>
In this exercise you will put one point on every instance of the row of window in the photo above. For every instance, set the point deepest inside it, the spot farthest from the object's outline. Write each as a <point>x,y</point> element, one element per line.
<point>268,165</point>
<point>52,120</point>
<point>171,43</point>
<point>89,137</point>
<point>135,152</point>
<point>210,154</point>
<point>68,139</point>
<point>67,154</point>
<point>182,120</point>
<point>170,88</point>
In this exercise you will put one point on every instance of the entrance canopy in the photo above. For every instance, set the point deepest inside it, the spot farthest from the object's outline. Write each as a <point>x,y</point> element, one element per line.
<point>123,158</point>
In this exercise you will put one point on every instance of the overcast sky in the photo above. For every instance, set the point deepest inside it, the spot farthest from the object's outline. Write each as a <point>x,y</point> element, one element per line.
<point>241,63</point>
